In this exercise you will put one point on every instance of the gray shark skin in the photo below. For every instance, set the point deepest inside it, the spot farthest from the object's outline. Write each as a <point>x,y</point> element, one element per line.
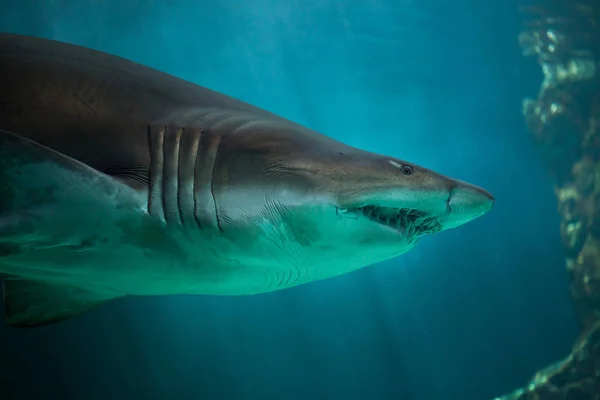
<point>117,179</point>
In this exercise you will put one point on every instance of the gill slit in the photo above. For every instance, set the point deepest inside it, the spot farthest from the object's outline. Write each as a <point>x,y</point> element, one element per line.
<point>155,194</point>
<point>161,151</point>
<point>177,155</point>
<point>200,139</point>
<point>212,181</point>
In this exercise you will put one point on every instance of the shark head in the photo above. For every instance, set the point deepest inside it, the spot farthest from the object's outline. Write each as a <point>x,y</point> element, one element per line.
<point>306,198</point>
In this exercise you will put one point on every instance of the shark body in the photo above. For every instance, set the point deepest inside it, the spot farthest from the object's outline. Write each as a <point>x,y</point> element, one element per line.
<point>117,179</point>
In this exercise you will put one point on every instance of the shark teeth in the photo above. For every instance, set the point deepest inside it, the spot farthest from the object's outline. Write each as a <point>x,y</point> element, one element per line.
<point>409,222</point>
<point>347,213</point>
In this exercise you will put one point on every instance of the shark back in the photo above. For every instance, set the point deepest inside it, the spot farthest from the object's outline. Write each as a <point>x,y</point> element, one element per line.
<point>98,108</point>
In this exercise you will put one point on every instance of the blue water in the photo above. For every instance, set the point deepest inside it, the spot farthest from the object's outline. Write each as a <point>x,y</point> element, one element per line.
<point>469,314</point>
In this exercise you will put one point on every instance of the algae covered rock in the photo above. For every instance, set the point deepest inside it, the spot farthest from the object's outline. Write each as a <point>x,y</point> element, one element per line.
<point>565,122</point>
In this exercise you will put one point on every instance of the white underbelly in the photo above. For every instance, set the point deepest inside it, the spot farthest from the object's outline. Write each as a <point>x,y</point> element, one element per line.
<point>128,270</point>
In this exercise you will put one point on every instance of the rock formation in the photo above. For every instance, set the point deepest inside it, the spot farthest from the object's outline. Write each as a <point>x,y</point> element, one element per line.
<point>565,122</point>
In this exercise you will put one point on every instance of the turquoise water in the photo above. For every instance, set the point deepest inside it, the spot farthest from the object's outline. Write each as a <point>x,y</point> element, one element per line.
<point>469,314</point>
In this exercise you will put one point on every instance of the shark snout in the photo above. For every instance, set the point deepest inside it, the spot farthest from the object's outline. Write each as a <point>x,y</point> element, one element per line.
<point>470,196</point>
<point>467,202</point>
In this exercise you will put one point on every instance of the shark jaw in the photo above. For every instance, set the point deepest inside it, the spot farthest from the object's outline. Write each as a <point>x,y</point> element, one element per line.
<point>408,222</point>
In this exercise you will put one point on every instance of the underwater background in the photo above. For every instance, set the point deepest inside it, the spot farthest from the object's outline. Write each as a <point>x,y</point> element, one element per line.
<point>468,314</point>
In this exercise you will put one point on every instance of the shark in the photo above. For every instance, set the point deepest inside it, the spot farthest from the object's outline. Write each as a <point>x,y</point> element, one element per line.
<point>117,180</point>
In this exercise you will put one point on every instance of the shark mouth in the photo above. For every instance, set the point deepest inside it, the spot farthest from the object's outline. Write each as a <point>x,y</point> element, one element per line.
<point>409,222</point>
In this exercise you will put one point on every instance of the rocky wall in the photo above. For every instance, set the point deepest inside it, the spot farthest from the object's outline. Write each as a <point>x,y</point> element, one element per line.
<point>564,119</point>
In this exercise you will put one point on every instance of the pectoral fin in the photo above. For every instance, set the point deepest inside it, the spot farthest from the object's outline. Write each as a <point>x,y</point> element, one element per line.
<point>30,303</point>
<point>48,199</point>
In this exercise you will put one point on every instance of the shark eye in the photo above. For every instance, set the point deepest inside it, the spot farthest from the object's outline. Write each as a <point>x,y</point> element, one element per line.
<point>407,170</point>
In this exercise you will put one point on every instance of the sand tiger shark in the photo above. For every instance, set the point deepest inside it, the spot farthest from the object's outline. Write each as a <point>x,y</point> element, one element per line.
<point>117,179</point>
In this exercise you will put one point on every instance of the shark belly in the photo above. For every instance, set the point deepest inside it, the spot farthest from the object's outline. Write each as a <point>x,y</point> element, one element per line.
<point>171,263</point>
